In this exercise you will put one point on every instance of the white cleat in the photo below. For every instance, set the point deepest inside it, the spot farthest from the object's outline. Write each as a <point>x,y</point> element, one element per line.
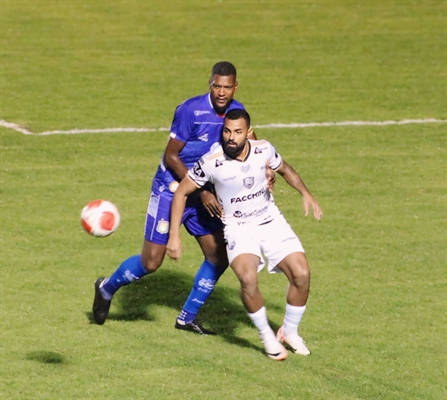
<point>275,350</point>
<point>295,342</point>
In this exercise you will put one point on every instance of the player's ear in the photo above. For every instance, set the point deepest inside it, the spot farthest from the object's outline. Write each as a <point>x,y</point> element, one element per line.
<point>235,86</point>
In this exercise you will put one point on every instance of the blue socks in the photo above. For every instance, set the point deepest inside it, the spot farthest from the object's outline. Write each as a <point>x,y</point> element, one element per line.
<point>129,271</point>
<point>132,269</point>
<point>204,282</point>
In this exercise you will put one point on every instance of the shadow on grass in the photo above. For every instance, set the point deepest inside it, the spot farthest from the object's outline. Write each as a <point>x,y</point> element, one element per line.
<point>222,313</point>
<point>45,357</point>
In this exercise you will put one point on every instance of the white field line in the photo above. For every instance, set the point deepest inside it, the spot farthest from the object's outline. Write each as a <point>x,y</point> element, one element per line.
<point>25,131</point>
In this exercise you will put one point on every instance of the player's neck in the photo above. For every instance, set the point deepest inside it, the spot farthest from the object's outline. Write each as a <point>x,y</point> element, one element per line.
<point>244,153</point>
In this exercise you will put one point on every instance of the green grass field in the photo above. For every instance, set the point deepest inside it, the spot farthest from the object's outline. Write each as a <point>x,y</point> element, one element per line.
<point>376,318</point>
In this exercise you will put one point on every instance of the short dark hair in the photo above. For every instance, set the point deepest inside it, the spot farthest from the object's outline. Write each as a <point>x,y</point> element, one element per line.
<point>224,68</point>
<point>237,113</point>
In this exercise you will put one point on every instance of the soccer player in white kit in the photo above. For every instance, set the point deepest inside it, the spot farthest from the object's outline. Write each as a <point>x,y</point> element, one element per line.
<point>253,226</point>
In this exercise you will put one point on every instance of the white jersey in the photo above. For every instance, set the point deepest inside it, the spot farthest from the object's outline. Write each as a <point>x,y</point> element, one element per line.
<point>241,186</point>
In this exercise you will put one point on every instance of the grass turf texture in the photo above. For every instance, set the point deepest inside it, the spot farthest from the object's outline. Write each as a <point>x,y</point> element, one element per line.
<point>376,319</point>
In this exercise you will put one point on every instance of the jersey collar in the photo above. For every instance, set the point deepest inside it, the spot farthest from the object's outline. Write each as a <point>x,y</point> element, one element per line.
<point>237,159</point>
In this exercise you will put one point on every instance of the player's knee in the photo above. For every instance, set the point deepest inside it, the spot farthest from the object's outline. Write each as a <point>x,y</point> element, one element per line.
<point>152,256</point>
<point>222,261</point>
<point>217,257</point>
<point>249,284</point>
<point>219,262</point>
<point>151,266</point>
<point>151,262</point>
<point>301,275</point>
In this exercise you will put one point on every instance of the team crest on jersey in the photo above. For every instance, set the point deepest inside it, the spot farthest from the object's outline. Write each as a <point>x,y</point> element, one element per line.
<point>249,182</point>
<point>246,168</point>
<point>173,186</point>
<point>162,227</point>
<point>258,150</point>
<point>232,245</point>
<point>218,163</point>
<point>198,171</point>
<point>204,137</point>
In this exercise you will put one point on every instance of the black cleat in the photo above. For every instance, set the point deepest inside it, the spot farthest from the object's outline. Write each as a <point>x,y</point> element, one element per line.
<point>193,326</point>
<point>101,306</point>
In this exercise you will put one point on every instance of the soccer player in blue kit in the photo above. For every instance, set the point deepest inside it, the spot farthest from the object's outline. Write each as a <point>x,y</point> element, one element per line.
<point>196,127</point>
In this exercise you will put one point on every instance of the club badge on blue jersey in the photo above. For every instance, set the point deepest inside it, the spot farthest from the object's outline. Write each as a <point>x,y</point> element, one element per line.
<point>162,227</point>
<point>173,186</point>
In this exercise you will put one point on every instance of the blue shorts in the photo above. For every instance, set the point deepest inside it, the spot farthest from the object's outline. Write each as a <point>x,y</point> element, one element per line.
<point>196,219</point>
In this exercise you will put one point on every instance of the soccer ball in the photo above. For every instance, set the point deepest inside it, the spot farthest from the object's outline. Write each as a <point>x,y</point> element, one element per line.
<point>100,218</point>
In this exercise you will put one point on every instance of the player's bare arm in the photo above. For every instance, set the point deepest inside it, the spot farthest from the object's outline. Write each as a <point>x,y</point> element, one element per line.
<point>271,177</point>
<point>174,245</point>
<point>172,160</point>
<point>210,202</point>
<point>294,180</point>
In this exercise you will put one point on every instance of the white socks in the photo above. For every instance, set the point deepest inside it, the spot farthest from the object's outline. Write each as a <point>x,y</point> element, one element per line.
<point>292,319</point>
<point>290,326</point>
<point>259,318</point>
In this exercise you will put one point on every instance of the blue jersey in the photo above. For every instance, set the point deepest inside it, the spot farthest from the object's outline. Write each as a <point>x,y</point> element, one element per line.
<point>197,124</point>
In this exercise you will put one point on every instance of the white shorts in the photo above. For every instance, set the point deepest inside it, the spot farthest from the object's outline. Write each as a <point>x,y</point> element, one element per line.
<point>275,240</point>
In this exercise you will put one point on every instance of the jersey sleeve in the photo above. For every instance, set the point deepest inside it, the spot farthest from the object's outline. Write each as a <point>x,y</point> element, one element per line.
<point>181,126</point>
<point>275,160</point>
<point>200,173</point>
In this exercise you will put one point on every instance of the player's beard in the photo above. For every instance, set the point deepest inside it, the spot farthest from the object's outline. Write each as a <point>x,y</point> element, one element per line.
<point>233,151</point>
<point>221,110</point>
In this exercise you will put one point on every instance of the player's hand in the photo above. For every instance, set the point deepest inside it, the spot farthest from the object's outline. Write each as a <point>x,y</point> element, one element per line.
<point>174,247</point>
<point>271,177</point>
<point>211,204</point>
<point>310,202</point>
